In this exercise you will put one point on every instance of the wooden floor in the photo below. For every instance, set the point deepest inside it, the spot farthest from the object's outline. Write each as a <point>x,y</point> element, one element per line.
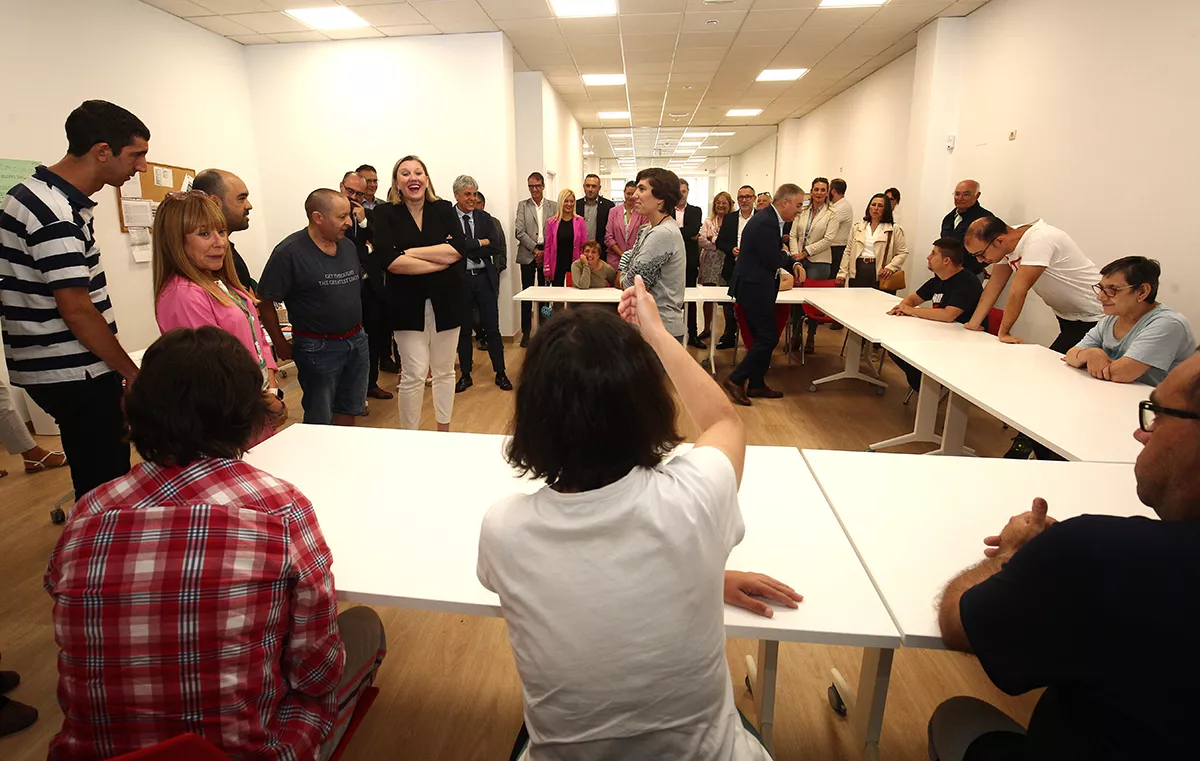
<point>449,688</point>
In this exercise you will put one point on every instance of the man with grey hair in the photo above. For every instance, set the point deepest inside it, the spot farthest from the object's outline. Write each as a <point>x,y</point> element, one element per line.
<point>966,210</point>
<point>482,284</point>
<point>231,193</point>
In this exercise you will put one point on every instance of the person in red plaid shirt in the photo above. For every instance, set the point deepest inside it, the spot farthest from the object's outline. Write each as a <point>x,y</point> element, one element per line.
<point>194,594</point>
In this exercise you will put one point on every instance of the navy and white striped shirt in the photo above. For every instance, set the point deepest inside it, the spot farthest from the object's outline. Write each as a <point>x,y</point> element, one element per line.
<point>47,242</point>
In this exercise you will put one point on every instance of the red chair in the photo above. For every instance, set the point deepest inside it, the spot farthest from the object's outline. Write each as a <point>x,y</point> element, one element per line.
<point>995,317</point>
<point>811,313</point>
<point>781,318</point>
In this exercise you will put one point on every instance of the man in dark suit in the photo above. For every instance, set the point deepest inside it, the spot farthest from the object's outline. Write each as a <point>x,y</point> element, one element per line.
<point>374,292</point>
<point>728,239</point>
<point>755,287</point>
<point>594,209</point>
<point>482,284</point>
<point>499,258</point>
<point>690,218</point>
<point>966,210</point>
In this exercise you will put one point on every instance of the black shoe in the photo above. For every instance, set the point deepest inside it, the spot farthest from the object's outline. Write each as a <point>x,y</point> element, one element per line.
<point>726,342</point>
<point>9,681</point>
<point>836,326</point>
<point>705,335</point>
<point>15,716</point>
<point>1022,447</point>
<point>697,343</point>
<point>481,344</point>
<point>503,382</point>
<point>388,366</point>
<point>463,384</point>
<point>524,340</point>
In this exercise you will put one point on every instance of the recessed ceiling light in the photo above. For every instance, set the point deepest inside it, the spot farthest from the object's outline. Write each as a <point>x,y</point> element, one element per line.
<point>743,112</point>
<point>687,87</point>
<point>613,114</point>
<point>851,3</point>
<point>599,80</point>
<point>622,148</point>
<point>335,17</point>
<point>712,22</point>
<point>589,153</point>
<point>684,151</point>
<point>707,148</point>
<point>695,134</point>
<point>722,134</point>
<point>678,116</point>
<point>689,145</point>
<point>780,75</point>
<point>583,8</point>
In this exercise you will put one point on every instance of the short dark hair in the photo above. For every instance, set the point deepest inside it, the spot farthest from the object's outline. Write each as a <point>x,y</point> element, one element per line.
<point>98,121</point>
<point>838,185</point>
<point>750,188</point>
<point>320,200</point>
<point>893,191</point>
<point>887,209</point>
<point>211,181</point>
<point>952,249</point>
<point>591,175</point>
<point>581,365</point>
<point>367,168</point>
<point>1138,271</point>
<point>987,229</point>
<point>819,179</point>
<point>199,394</point>
<point>684,182</point>
<point>538,176</point>
<point>630,184</point>
<point>479,195</point>
<point>591,244</point>
<point>664,185</point>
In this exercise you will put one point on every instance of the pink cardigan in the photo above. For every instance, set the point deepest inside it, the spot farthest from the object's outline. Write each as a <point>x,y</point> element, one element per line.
<point>550,260</point>
<point>184,304</point>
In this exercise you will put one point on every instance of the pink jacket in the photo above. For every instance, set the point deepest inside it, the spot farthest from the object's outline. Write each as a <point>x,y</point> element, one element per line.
<point>619,234</point>
<point>183,304</point>
<point>550,262</point>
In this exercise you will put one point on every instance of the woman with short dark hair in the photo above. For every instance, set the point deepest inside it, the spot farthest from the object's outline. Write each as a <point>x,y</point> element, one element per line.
<point>659,255</point>
<point>608,670</point>
<point>1138,339</point>
<point>877,250</point>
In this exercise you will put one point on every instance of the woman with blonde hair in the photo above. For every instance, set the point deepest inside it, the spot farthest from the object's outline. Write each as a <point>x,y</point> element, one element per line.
<point>421,245</point>
<point>566,232</point>
<point>195,284</point>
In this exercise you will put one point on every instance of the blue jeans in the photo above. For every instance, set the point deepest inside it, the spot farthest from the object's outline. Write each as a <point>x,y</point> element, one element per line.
<point>819,271</point>
<point>333,375</point>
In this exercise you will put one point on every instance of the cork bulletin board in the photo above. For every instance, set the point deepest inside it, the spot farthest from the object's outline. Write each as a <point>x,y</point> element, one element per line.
<point>139,198</point>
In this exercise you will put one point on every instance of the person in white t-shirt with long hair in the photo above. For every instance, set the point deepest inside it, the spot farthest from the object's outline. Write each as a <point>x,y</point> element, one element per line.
<point>609,667</point>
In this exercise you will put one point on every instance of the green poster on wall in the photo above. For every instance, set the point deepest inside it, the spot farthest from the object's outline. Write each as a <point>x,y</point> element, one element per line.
<point>13,171</point>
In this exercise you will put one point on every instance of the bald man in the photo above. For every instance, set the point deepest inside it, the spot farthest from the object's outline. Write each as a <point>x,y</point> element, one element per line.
<point>231,193</point>
<point>966,210</point>
<point>316,272</point>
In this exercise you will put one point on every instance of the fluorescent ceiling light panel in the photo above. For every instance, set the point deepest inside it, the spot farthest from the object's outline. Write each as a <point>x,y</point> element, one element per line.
<point>688,145</point>
<point>722,134</point>
<point>613,114</point>
<point>583,8</point>
<point>743,112</point>
<point>332,17</point>
<point>780,75</point>
<point>599,80</point>
<point>622,148</point>
<point>706,148</point>
<point>851,3</point>
<point>695,134</point>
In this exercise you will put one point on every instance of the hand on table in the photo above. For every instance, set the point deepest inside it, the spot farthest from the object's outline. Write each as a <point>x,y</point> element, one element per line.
<point>742,587</point>
<point>1008,338</point>
<point>973,326</point>
<point>1099,365</point>
<point>1020,529</point>
<point>840,281</point>
<point>901,310</point>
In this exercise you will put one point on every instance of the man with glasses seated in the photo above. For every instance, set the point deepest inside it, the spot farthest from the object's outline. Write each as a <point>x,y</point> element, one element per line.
<point>1038,258</point>
<point>1088,608</point>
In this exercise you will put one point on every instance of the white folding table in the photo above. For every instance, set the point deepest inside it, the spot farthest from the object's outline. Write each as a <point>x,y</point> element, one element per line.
<point>421,553</point>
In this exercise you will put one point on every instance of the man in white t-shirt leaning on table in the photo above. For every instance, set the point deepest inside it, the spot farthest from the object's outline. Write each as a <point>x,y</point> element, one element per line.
<point>1040,258</point>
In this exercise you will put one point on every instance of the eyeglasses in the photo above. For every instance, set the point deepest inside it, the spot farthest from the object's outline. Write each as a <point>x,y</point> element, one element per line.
<point>1149,411</point>
<point>535,187</point>
<point>965,195</point>
<point>357,195</point>
<point>979,254</point>
<point>1109,290</point>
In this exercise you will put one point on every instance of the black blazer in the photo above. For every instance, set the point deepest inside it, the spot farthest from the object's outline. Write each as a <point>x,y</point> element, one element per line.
<point>484,227</point>
<point>727,241</point>
<point>693,218</point>
<point>970,263</point>
<point>602,210</point>
<point>372,273</point>
<point>395,231</point>
<point>761,254</point>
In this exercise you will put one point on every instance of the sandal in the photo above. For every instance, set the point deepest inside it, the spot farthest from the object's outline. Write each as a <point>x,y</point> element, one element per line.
<point>36,466</point>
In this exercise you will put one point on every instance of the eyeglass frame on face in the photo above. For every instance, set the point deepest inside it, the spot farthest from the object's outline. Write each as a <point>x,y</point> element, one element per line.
<point>970,194</point>
<point>984,250</point>
<point>355,195</point>
<point>1110,291</point>
<point>535,186</point>
<point>1152,409</point>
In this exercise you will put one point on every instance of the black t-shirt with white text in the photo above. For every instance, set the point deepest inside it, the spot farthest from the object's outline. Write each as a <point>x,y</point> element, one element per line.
<point>322,292</point>
<point>962,290</point>
<point>1104,613</point>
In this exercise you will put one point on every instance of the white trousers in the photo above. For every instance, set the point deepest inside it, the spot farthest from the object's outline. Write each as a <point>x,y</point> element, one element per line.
<point>421,350</point>
<point>13,433</point>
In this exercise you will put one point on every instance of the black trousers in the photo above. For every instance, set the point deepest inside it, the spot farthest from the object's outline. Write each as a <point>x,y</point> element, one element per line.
<point>92,425</point>
<point>913,374</point>
<point>757,301</point>
<point>835,257</point>
<point>530,273</point>
<point>379,337</point>
<point>1070,333</point>
<point>482,295</point>
<point>691,278</point>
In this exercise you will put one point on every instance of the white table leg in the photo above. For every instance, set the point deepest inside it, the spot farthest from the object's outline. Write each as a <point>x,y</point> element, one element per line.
<point>867,715</point>
<point>955,429</point>
<point>764,677</point>
<point>853,370</point>
<point>712,350</point>
<point>926,422</point>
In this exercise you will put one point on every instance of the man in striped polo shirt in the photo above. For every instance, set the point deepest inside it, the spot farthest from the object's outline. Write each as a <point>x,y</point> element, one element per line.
<point>60,336</point>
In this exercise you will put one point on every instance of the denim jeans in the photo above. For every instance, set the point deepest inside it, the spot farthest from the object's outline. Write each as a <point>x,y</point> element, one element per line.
<point>332,374</point>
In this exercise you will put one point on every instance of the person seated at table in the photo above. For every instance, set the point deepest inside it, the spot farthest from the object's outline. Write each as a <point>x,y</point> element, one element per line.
<point>952,292</point>
<point>194,594</point>
<point>1088,608</point>
<point>609,667</point>
<point>1138,339</point>
<point>590,271</point>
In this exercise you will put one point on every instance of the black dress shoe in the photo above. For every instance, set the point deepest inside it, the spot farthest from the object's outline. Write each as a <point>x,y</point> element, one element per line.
<point>697,343</point>
<point>836,326</point>
<point>9,680</point>
<point>503,382</point>
<point>481,344</point>
<point>736,392</point>
<point>15,716</point>
<point>524,340</point>
<point>764,392</point>
<point>463,384</point>
<point>706,334</point>
<point>388,366</point>
<point>726,342</point>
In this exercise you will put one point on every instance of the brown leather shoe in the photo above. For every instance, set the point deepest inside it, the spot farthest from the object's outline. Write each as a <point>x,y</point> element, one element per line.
<point>736,392</point>
<point>378,393</point>
<point>764,392</point>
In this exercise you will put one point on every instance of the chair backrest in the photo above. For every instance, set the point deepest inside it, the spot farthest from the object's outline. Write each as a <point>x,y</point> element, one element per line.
<point>994,318</point>
<point>189,747</point>
<point>811,312</point>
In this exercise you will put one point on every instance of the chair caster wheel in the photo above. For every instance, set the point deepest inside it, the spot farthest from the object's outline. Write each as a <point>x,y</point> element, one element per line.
<point>57,516</point>
<point>835,701</point>
<point>749,688</point>
<point>880,391</point>
<point>812,387</point>
<point>868,449</point>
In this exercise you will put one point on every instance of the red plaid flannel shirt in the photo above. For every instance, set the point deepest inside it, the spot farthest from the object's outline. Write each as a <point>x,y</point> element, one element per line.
<point>196,599</point>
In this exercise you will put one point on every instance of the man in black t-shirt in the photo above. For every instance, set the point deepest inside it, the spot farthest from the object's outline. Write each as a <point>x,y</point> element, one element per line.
<point>953,293</point>
<point>1100,611</point>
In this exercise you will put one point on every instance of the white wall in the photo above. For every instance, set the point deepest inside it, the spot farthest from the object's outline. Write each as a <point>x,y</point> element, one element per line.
<point>562,141</point>
<point>755,167</point>
<point>197,108</point>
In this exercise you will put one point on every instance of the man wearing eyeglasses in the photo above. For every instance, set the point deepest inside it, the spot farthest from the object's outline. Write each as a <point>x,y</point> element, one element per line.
<point>1038,258</point>
<point>1087,608</point>
<point>374,292</point>
<point>966,210</point>
<point>530,227</point>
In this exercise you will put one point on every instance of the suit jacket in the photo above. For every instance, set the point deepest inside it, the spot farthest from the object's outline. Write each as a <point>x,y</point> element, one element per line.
<point>526,226</point>
<point>727,241</point>
<point>499,245</point>
<point>604,206</point>
<point>693,219</point>
<point>761,255</point>
<point>970,263</point>
<point>481,224</point>
<point>370,270</point>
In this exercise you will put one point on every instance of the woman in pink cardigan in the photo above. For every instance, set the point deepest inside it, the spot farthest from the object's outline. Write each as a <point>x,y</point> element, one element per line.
<point>195,285</point>
<point>565,235</point>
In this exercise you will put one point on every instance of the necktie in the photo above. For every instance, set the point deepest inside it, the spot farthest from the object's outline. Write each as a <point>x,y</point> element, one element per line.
<point>467,226</point>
